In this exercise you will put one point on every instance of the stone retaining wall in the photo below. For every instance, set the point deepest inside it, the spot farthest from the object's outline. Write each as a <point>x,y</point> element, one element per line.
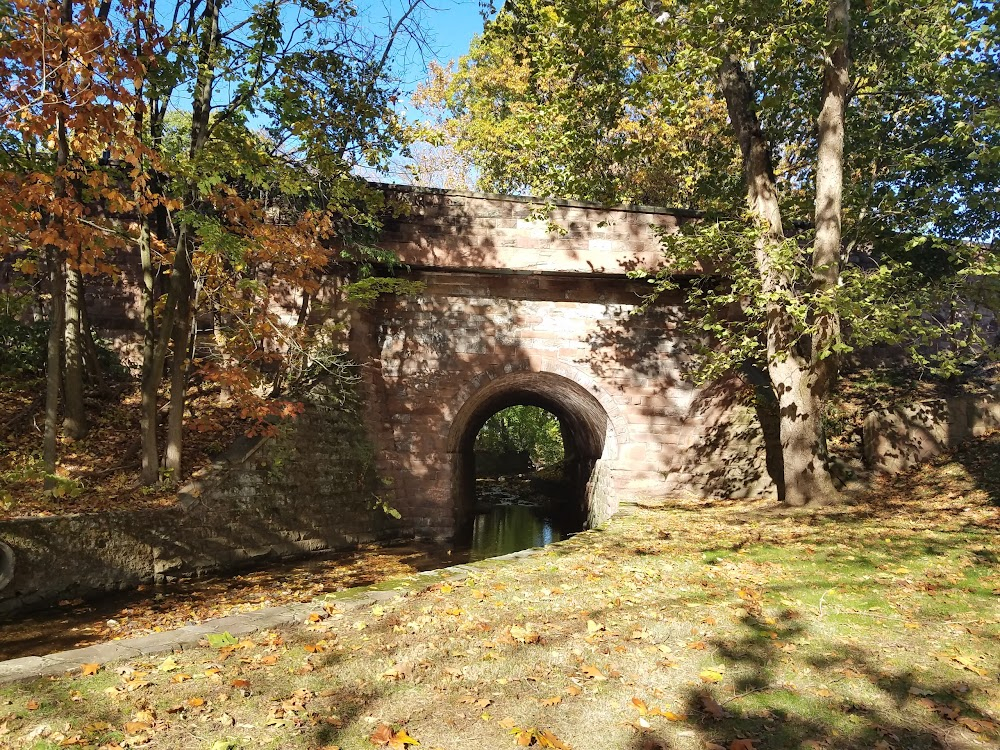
<point>897,439</point>
<point>311,488</point>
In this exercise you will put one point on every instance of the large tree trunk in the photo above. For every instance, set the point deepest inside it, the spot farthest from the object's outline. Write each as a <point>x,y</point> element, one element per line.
<point>75,419</point>
<point>800,394</point>
<point>829,194</point>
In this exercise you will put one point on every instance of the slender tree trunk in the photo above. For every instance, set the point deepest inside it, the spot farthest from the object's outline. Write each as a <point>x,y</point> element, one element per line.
<point>225,392</point>
<point>179,363</point>
<point>53,366</point>
<point>75,419</point>
<point>57,314</point>
<point>93,364</point>
<point>182,279</point>
<point>151,375</point>
<point>800,393</point>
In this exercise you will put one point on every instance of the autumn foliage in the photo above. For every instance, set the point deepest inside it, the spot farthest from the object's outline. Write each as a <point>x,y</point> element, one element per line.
<point>233,227</point>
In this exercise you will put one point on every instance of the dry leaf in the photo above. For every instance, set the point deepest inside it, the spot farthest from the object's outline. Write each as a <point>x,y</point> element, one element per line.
<point>712,707</point>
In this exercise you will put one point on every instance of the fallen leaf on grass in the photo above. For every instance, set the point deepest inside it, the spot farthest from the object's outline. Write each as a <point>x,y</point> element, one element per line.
<point>712,707</point>
<point>592,673</point>
<point>539,737</point>
<point>168,665</point>
<point>977,725</point>
<point>32,705</point>
<point>89,669</point>
<point>710,675</point>
<point>384,736</point>
<point>574,690</point>
<point>523,635</point>
<point>218,640</point>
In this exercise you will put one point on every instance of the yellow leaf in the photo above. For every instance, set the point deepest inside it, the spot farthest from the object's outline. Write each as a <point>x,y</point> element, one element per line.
<point>710,675</point>
<point>594,627</point>
<point>168,665</point>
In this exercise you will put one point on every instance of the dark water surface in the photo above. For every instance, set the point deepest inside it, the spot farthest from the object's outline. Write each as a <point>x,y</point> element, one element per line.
<point>510,528</point>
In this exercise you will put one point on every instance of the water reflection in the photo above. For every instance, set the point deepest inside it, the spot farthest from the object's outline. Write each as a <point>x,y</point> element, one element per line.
<point>509,528</point>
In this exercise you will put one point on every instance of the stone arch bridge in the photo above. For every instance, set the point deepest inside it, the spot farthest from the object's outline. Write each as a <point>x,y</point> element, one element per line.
<point>520,311</point>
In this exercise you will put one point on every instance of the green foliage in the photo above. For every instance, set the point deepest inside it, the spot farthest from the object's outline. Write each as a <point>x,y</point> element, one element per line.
<point>24,347</point>
<point>523,428</point>
<point>366,291</point>
<point>614,103</point>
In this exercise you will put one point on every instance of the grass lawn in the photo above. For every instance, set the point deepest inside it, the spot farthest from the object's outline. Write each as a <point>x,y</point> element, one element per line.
<point>684,625</point>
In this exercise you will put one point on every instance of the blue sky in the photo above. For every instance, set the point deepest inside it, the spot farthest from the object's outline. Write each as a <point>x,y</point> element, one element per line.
<point>452,24</point>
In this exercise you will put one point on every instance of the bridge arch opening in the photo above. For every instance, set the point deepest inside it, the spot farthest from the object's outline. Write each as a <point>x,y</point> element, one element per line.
<point>589,444</point>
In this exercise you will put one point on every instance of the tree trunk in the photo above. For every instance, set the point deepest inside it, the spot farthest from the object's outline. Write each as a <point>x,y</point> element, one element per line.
<point>53,366</point>
<point>829,194</point>
<point>74,420</point>
<point>182,279</point>
<point>93,364</point>
<point>800,393</point>
<point>805,462</point>
<point>179,362</point>
<point>151,374</point>
<point>57,314</point>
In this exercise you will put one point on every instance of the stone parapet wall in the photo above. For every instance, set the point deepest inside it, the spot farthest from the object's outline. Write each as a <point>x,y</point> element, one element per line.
<point>450,229</point>
<point>307,490</point>
<point>897,439</point>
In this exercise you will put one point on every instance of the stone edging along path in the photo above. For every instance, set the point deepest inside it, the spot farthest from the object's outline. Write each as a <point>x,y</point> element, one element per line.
<point>64,663</point>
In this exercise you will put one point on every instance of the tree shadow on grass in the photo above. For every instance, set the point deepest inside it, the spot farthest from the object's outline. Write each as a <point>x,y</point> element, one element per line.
<point>873,706</point>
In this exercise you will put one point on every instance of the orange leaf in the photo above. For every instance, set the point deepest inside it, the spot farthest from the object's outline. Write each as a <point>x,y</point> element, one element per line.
<point>195,702</point>
<point>32,705</point>
<point>382,735</point>
<point>238,683</point>
<point>89,669</point>
<point>547,739</point>
<point>741,745</point>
